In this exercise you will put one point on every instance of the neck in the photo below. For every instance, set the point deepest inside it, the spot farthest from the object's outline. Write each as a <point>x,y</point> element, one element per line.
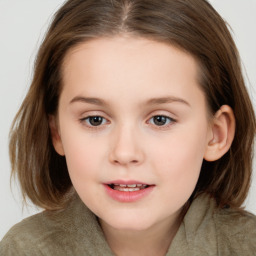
<point>153,241</point>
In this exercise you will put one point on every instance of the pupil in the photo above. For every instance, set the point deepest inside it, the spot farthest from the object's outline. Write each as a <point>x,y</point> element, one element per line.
<point>160,120</point>
<point>95,120</point>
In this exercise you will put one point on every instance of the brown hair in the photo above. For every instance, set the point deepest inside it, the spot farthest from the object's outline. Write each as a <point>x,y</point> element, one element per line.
<point>192,25</point>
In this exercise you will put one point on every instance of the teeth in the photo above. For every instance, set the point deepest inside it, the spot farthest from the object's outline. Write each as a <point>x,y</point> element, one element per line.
<point>128,187</point>
<point>132,186</point>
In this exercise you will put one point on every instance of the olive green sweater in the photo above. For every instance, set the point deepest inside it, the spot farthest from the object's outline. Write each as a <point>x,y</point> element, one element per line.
<point>75,231</point>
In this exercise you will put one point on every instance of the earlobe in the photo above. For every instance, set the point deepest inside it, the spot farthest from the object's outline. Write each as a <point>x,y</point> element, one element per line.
<point>56,139</point>
<point>222,134</point>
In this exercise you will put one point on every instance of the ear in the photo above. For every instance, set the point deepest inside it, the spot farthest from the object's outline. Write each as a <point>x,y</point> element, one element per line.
<point>55,135</point>
<point>222,134</point>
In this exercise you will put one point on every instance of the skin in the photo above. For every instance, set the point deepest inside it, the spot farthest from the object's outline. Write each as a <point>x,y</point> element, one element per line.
<point>133,80</point>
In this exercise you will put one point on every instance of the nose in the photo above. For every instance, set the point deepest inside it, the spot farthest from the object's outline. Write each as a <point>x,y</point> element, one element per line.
<point>126,147</point>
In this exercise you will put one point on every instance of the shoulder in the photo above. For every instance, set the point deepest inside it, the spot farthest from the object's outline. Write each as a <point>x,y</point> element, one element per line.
<point>213,231</point>
<point>236,231</point>
<point>72,231</point>
<point>46,233</point>
<point>26,237</point>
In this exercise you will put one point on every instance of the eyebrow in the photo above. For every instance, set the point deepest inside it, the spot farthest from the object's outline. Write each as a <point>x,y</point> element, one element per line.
<point>163,100</point>
<point>94,101</point>
<point>153,101</point>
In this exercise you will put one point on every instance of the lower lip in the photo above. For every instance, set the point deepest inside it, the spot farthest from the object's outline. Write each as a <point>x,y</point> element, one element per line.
<point>128,196</point>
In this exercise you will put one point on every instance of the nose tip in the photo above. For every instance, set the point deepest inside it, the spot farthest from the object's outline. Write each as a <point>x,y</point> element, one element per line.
<point>123,159</point>
<point>126,149</point>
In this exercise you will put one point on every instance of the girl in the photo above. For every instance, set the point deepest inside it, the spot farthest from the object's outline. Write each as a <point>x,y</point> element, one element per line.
<point>136,135</point>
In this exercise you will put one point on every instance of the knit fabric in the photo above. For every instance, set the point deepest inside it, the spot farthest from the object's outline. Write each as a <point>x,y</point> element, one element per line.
<point>75,231</point>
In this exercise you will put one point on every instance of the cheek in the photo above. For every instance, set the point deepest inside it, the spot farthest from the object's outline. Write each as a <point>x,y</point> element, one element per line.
<point>181,160</point>
<point>82,155</point>
<point>83,166</point>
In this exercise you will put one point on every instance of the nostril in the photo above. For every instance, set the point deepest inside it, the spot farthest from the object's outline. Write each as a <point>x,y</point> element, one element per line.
<point>125,161</point>
<point>125,154</point>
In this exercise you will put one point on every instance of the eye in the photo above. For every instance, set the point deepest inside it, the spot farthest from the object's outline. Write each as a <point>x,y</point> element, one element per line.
<point>161,120</point>
<point>94,120</point>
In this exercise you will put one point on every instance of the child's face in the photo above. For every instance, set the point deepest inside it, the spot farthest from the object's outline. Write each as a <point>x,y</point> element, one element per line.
<point>150,127</point>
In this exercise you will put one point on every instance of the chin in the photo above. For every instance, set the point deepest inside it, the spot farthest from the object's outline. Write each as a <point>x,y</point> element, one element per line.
<point>130,224</point>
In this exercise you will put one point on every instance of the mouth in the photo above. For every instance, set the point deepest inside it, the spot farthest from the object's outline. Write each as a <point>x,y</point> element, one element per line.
<point>129,191</point>
<point>128,187</point>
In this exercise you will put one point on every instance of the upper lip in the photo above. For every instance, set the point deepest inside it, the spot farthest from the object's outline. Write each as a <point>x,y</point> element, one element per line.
<point>126,182</point>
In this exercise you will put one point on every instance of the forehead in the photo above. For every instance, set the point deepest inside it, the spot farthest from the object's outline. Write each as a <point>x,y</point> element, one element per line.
<point>124,63</point>
<point>130,48</point>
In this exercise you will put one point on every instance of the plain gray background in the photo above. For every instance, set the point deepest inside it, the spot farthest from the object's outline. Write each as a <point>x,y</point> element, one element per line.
<point>22,26</point>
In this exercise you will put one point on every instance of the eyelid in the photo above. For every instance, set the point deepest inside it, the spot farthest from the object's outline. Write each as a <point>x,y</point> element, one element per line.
<point>167,117</point>
<point>91,113</point>
<point>162,112</point>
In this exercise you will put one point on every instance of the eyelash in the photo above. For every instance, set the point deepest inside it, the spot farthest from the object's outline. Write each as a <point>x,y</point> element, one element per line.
<point>167,121</point>
<point>89,119</point>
